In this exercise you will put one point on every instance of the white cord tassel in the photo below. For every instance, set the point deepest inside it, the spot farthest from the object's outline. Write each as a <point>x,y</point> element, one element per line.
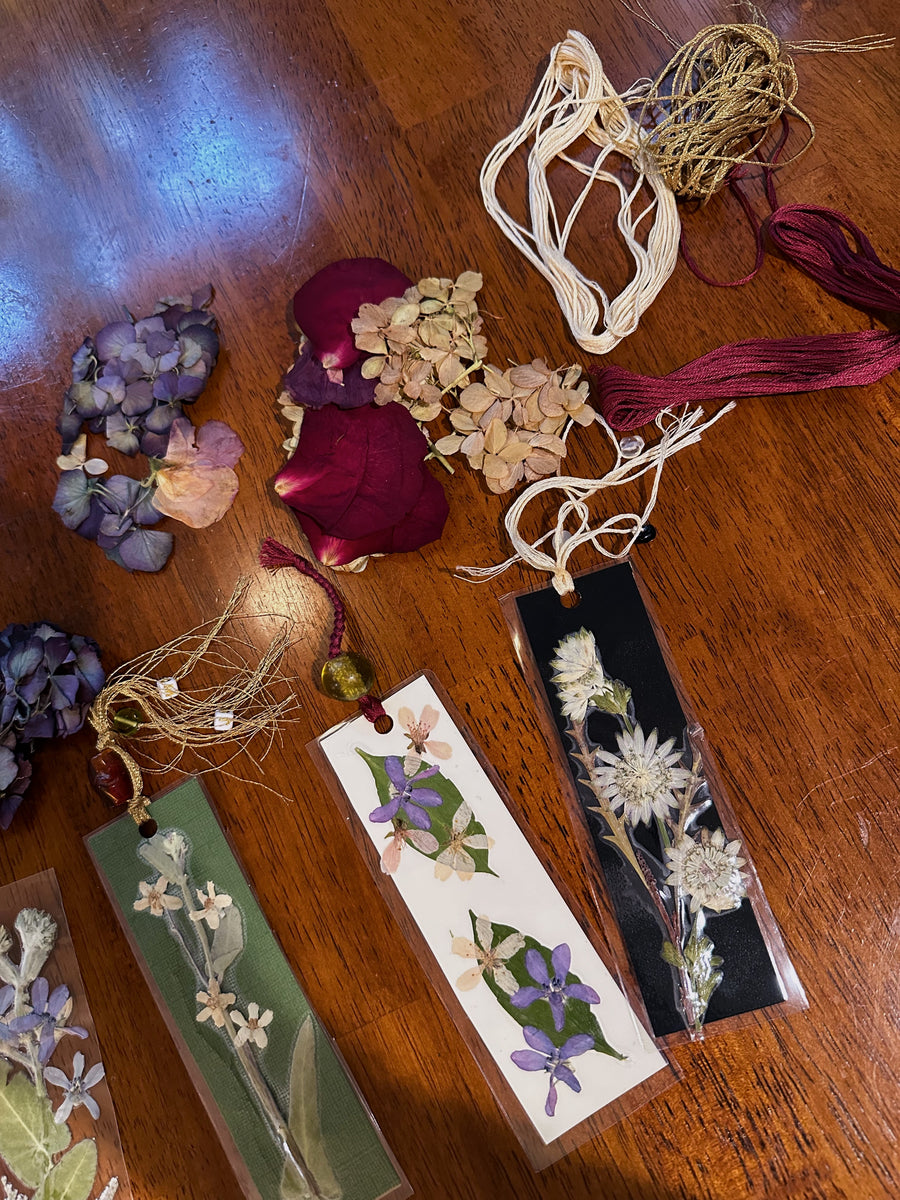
<point>677,432</point>
<point>589,106</point>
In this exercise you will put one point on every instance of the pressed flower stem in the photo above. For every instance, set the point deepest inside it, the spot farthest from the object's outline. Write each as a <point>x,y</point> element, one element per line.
<point>434,453</point>
<point>476,366</point>
<point>672,926</point>
<point>619,836</point>
<point>244,1055</point>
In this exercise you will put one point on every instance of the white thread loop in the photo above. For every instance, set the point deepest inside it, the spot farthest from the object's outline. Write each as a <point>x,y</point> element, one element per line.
<point>578,100</point>
<point>677,433</point>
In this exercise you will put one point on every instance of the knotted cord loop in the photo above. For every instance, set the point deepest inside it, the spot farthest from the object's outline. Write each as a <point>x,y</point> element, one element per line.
<point>677,433</point>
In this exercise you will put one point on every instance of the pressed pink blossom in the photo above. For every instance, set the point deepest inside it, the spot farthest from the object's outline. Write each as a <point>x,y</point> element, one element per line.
<point>419,732</point>
<point>424,841</point>
<point>196,484</point>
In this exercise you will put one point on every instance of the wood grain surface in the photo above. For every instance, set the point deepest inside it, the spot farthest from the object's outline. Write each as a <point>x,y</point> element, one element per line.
<point>149,148</point>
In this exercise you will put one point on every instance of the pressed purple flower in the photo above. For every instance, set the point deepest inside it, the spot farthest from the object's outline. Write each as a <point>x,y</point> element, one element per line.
<point>544,1056</point>
<point>48,1009</point>
<point>409,795</point>
<point>553,988</point>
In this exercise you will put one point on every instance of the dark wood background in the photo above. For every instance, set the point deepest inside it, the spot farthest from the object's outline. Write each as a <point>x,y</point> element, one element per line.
<point>148,148</point>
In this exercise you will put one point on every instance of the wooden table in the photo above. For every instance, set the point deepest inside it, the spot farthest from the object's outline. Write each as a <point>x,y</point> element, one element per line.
<point>151,148</point>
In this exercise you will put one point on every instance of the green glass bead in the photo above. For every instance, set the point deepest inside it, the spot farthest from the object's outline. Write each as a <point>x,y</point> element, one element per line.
<point>347,676</point>
<point>127,720</point>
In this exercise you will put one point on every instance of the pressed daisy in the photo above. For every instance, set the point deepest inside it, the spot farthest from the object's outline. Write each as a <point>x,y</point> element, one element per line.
<point>454,856</point>
<point>252,1028</point>
<point>579,677</point>
<point>156,897</point>
<point>643,776</point>
<point>490,958</point>
<point>211,906</point>
<point>215,1004</point>
<point>708,870</point>
<point>420,838</point>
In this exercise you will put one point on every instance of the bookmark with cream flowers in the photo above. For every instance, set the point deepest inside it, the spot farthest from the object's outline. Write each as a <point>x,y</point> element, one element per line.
<point>648,808</point>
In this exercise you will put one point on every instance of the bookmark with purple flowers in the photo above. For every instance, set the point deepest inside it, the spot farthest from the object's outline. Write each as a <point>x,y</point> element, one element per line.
<point>558,1042</point>
<point>58,1134</point>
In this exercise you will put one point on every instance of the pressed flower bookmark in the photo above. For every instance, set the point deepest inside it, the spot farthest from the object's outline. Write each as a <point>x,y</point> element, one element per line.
<point>58,1134</point>
<point>288,1114</point>
<point>701,938</point>
<point>557,1041</point>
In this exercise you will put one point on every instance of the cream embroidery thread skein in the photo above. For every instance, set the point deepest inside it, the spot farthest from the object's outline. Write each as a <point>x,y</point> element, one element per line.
<point>575,99</point>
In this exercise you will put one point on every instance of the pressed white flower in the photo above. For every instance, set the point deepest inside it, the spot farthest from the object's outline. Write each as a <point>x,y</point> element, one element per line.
<point>156,897</point>
<point>77,1089</point>
<point>578,674</point>
<point>455,856</point>
<point>708,870</point>
<point>211,906</point>
<point>643,776</point>
<point>252,1028</point>
<point>489,957</point>
<point>37,933</point>
<point>215,1004</point>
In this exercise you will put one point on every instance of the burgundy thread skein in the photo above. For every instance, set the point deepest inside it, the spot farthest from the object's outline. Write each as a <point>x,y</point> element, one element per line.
<point>814,239</point>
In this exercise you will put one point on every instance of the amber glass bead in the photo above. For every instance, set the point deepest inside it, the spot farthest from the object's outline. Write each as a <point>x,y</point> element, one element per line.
<point>347,676</point>
<point>126,720</point>
<point>109,777</point>
<point>147,828</point>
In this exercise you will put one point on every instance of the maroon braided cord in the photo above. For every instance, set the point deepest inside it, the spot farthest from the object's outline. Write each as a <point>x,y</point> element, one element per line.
<point>371,708</point>
<point>273,555</point>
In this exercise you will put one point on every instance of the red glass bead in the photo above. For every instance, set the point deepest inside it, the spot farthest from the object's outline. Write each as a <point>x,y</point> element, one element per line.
<point>109,777</point>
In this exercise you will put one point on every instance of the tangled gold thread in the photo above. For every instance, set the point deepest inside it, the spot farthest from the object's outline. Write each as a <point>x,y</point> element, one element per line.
<point>711,106</point>
<point>186,720</point>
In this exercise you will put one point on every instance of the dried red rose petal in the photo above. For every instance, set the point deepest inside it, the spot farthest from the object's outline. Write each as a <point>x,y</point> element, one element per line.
<point>326,304</point>
<point>359,484</point>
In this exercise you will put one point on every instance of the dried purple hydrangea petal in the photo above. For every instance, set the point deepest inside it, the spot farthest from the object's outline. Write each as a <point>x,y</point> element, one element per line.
<point>113,338</point>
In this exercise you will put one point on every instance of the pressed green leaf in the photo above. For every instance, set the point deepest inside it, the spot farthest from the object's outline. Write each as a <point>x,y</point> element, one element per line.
<point>671,955</point>
<point>304,1122</point>
<point>579,1014</point>
<point>228,940</point>
<point>155,856</point>
<point>28,1135</point>
<point>73,1176</point>
<point>441,818</point>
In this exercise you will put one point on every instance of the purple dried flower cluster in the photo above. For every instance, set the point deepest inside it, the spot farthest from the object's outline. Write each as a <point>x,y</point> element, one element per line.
<point>50,679</point>
<point>133,379</point>
<point>131,382</point>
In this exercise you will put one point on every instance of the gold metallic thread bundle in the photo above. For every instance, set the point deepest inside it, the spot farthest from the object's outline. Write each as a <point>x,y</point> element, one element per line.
<point>713,103</point>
